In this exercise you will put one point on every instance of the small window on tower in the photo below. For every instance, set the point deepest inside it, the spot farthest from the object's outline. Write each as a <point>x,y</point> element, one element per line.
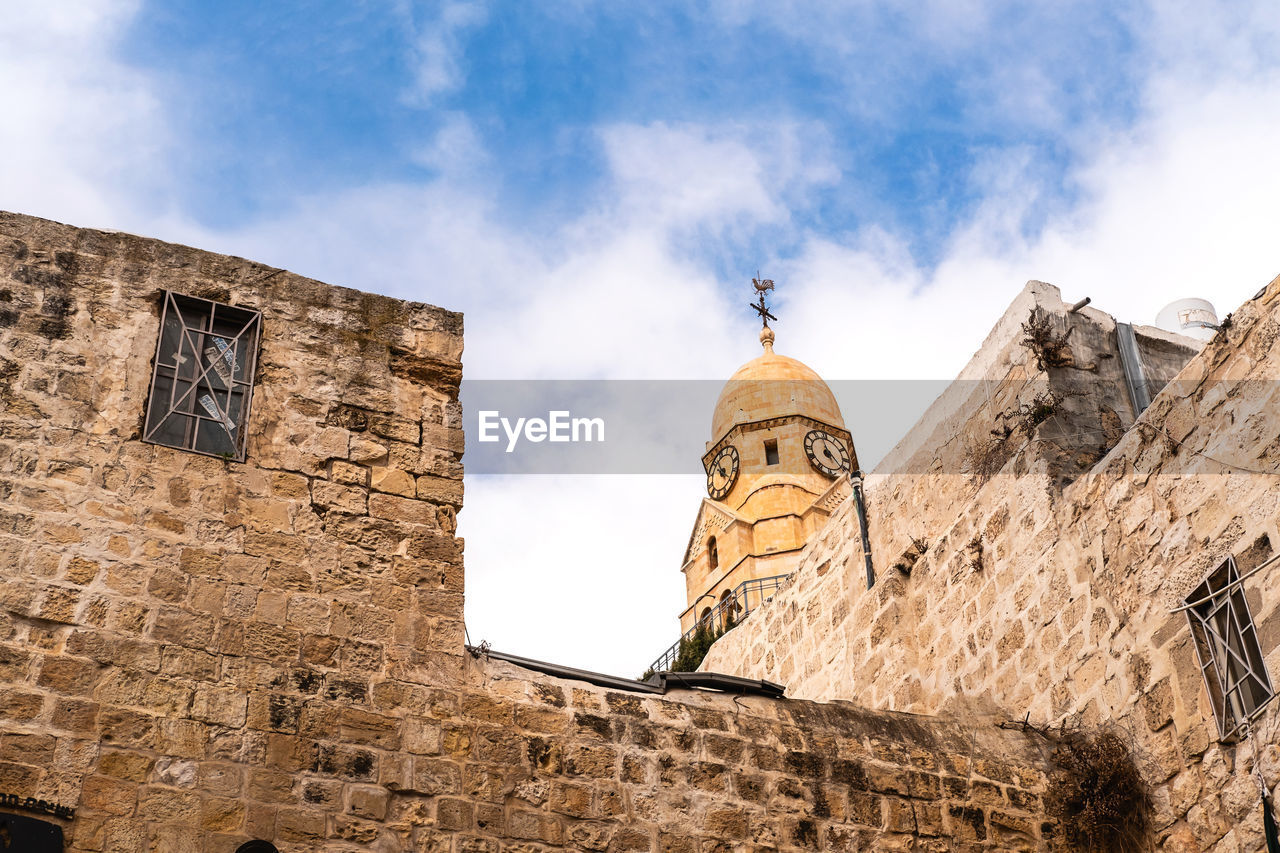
<point>202,381</point>
<point>1227,646</point>
<point>713,554</point>
<point>771,452</point>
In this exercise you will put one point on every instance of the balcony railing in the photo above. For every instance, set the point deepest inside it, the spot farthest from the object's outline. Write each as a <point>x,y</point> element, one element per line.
<point>727,613</point>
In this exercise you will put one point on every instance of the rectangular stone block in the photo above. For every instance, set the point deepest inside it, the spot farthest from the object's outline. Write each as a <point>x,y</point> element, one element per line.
<point>394,428</point>
<point>107,795</point>
<point>440,490</point>
<point>304,826</point>
<point>221,814</point>
<point>405,510</point>
<point>535,826</point>
<point>69,676</point>
<point>368,801</point>
<point>19,705</point>
<point>169,805</point>
<point>361,727</point>
<point>349,473</point>
<point>453,814</point>
<point>224,706</point>
<point>349,499</point>
<point>392,481</point>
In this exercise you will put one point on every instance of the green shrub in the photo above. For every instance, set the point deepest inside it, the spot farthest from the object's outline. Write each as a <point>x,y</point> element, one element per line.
<point>694,648</point>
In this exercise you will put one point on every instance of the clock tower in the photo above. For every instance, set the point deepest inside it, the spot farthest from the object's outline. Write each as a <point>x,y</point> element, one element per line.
<point>777,465</point>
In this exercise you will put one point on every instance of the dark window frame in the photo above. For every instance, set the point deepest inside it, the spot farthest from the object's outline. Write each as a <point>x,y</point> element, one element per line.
<point>1227,648</point>
<point>202,376</point>
<point>771,456</point>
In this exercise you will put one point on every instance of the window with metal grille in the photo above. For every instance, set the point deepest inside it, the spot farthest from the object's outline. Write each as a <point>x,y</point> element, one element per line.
<point>202,382</point>
<point>1228,650</point>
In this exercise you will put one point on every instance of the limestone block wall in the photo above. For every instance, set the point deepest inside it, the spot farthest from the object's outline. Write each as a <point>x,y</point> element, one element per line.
<point>827,635</point>
<point>552,764</point>
<point>196,652</point>
<point>1056,603</point>
<point>1197,479</point>
<point>989,421</point>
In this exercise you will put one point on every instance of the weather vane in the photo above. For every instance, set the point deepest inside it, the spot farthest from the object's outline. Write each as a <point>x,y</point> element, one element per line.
<point>762,285</point>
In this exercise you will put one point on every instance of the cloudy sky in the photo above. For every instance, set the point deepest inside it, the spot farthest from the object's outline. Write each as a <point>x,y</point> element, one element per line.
<point>594,183</point>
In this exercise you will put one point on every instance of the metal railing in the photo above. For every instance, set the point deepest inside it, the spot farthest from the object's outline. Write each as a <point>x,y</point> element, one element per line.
<point>727,613</point>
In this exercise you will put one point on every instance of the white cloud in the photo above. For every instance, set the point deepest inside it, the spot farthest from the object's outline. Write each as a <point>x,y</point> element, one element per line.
<point>455,149</point>
<point>691,175</point>
<point>1183,206</point>
<point>437,62</point>
<point>83,136</point>
<point>582,571</point>
<point>607,296</point>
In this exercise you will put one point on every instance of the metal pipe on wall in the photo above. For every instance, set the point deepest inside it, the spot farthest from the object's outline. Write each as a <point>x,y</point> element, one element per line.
<point>855,480</point>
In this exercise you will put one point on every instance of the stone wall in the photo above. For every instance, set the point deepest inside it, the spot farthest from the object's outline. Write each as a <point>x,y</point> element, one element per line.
<point>196,652</point>
<point>587,768</point>
<point>827,635</point>
<point>1054,602</point>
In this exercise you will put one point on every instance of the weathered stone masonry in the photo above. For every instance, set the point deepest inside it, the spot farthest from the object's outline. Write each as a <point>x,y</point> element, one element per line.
<point>1054,600</point>
<point>196,652</point>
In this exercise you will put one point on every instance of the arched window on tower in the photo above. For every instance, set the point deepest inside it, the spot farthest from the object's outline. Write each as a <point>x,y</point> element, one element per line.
<point>713,553</point>
<point>728,609</point>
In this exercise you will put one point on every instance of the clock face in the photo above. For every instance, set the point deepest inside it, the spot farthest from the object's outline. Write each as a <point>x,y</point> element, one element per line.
<point>723,473</point>
<point>826,452</point>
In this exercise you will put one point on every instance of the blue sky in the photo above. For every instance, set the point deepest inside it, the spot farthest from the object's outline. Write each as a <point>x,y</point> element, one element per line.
<point>900,169</point>
<point>276,100</point>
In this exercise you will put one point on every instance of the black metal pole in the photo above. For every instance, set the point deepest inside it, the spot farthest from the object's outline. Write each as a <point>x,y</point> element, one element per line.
<point>855,479</point>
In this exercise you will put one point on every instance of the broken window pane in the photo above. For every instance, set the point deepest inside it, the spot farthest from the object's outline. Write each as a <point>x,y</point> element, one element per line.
<point>1227,644</point>
<point>203,378</point>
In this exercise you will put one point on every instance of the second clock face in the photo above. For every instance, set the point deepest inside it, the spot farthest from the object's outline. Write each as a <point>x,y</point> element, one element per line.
<point>826,452</point>
<point>722,473</point>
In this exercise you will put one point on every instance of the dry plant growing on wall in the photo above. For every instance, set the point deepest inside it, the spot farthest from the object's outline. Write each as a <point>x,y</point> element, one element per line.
<point>1050,348</point>
<point>984,458</point>
<point>1095,792</point>
<point>908,559</point>
<point>1028,416</point>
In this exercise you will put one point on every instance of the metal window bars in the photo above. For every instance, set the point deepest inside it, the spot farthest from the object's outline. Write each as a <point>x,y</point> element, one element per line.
<point>202,379</point>
<point>1228,650</point>
<point>731,609</point>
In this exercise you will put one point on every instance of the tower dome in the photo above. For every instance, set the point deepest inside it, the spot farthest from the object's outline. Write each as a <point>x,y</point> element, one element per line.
<point>771,386</point>
<point>777,465</point>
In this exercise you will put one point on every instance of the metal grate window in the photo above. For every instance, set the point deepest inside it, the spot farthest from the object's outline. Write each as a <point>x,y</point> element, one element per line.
<point>1227,646</point>
<point>203,378</point>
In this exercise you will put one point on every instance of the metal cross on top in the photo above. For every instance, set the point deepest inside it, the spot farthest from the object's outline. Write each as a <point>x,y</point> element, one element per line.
<point>762,285</point>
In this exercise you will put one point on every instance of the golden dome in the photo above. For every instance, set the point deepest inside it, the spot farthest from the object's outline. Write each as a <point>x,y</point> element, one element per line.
<point>770,386</point>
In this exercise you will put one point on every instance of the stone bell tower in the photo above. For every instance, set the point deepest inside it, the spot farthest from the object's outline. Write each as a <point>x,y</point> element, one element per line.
<point>777,465</point>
